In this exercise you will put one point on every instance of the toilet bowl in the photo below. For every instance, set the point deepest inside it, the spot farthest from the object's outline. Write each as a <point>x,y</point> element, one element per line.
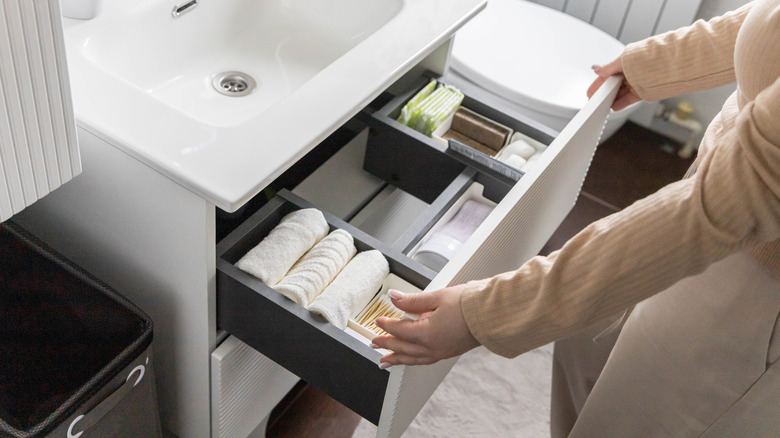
<point>535,60</point>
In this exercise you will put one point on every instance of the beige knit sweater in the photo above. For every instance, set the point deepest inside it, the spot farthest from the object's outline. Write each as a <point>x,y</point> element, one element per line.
<point>731,203</point>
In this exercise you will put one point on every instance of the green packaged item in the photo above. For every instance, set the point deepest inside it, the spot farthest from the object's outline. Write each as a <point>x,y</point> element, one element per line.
<point>435,109</point>
<point>430,107</point>
<point>406,112</point>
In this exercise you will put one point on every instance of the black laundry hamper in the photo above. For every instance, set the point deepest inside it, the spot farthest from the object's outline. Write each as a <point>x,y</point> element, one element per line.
<point>75,356</point>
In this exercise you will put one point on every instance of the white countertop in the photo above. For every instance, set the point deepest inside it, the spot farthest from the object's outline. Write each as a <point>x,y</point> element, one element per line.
<point>228,165</point>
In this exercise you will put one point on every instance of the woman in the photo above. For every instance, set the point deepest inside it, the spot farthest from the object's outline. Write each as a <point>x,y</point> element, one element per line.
<point>701,357</point>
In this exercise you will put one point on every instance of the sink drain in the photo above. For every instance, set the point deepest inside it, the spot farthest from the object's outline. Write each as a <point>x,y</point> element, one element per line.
<point>233,83</point>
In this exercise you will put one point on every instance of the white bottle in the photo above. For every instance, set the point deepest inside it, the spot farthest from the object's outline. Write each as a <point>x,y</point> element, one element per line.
<point>80,9</point>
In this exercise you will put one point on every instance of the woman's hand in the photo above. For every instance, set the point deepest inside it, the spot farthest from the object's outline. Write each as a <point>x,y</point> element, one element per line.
<point>626,94</point>
<point>440,332</point>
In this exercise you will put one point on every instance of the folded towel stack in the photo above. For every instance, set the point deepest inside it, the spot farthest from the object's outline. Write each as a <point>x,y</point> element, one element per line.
<point>285,244</point>
<point>317,268</point>
<point>352,289</point>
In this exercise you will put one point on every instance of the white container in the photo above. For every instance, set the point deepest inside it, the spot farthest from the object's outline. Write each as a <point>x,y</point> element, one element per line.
<point>439,253</point>
<point>391,282</point>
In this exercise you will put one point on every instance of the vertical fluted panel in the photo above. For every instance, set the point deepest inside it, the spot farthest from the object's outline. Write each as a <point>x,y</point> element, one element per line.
<point>245,387</point>
<point>38,147</point>
<point>629,20</point>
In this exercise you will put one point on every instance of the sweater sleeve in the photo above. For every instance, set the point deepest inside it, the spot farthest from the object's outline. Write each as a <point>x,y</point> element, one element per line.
<point>693,58</point>
<point>732,202</point>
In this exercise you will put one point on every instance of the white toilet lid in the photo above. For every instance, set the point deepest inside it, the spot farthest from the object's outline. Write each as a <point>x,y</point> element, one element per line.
<point>532,55</point>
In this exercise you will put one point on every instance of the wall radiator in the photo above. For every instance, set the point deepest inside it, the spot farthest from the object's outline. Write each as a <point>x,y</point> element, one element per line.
<point>630,20</point>
<point>38,147</point>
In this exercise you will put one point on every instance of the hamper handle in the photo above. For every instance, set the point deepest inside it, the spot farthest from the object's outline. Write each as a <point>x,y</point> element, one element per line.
<point>98,412</point>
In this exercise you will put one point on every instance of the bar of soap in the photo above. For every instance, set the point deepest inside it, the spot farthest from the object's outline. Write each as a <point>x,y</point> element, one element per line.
<point>479,128</point>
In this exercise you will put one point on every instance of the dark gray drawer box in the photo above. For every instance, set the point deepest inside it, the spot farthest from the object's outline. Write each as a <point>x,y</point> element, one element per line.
<point>316,351</point>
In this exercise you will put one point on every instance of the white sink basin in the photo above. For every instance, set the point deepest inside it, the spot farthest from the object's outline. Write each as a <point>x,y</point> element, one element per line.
<point>142,79</point>
<point>279,43</point>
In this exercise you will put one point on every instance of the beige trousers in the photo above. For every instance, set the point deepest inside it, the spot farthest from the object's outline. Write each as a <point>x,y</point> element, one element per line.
<point>699,359</point>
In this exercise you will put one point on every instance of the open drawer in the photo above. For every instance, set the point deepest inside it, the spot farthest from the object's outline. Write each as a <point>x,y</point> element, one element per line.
<point>342,364</point>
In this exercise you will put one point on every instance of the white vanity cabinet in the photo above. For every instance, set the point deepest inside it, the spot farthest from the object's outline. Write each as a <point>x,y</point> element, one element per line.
<point>155,241</point>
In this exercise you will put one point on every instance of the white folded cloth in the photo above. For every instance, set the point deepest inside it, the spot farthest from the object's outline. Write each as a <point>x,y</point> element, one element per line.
<point>317,268</point>
<point>285,244</point>
<point>352,289</point>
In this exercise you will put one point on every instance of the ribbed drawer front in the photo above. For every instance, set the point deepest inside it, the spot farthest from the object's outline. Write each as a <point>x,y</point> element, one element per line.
<point>245,388</point>
<point>38,149</point>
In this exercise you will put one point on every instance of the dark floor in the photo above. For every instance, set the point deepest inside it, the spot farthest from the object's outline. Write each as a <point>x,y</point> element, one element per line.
<point>632,164</point>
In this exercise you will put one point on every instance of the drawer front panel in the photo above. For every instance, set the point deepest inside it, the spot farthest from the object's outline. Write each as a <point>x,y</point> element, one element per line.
<point>245,387</point>
<point>529,215</point>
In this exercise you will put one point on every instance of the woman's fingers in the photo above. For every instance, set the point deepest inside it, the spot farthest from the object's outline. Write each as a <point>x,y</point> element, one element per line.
<point>405,329</point>
<point>439,333</point>
<point>413,303</point>
<point>595,86</point>
<point>399,359</point>
<point>400,346</point>
<point>626,95</point>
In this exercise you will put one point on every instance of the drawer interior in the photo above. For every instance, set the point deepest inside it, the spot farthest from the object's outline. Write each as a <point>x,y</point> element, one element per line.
<point>341,363</point>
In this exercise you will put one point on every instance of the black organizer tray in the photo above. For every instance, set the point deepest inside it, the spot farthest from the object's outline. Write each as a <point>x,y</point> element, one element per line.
<point>422,166</point>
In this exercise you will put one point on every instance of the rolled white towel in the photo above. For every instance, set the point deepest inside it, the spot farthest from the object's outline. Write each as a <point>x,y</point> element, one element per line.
<point>352,289</point>
<point>317,268</point>
<point>285,244</point>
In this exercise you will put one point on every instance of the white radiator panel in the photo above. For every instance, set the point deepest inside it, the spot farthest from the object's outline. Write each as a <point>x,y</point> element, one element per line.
<point>642,20</point>
<point>629,20</point>
<point>38,147</point>
<point>609,15</point>
<point>245,387</point>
